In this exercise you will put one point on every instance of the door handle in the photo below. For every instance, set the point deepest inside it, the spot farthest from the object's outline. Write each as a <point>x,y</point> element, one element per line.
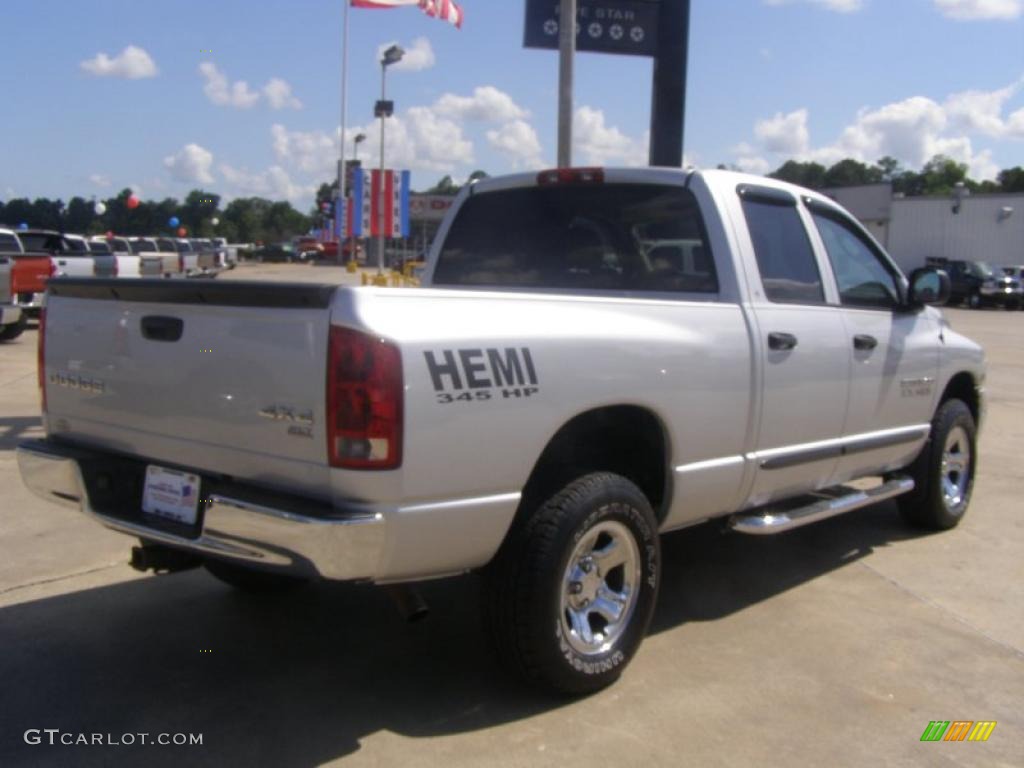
<point>864,342</point>
<point>781,341</point>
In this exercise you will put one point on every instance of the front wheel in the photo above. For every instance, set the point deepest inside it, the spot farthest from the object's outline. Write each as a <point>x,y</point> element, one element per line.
<point>569,598</point>
<point>944,472</point>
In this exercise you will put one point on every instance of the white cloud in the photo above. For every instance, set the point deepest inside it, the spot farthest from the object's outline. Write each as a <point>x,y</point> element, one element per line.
<point>279,94</point>
<point>487,104</point>
<point>784,133</point>
<point>973,10</point>
<point>912,130</point>
<point>840,6</point>
<point>419,55</point>
<point>133,63</point>
<point>191,164</point>
<point>307,151</point>
<point>99,180</point>
<point>274,183</point>
<point>518,140</point>
<point>219,91</point>
<point>599,144</point>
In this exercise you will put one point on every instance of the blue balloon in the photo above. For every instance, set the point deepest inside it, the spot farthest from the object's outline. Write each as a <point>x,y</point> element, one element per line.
<point>174,221</point>
<point>23,225</point>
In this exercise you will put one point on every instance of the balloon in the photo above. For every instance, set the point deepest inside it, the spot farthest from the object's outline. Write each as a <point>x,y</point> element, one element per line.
<point>100,209</point>
<point>175,221</point>
<point>132,202</point>
<point>325,206</point>
<point>182,231</point>
<point>110,233</point>
<point>23,225</point>
<point>215,221</point>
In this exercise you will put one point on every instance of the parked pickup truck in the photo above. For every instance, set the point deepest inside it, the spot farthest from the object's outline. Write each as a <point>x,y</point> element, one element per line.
<point>28,273</point>
<point>128,264</point>
<point>160,254</point>
<point>641,351</point>
<point>12,319</point>
<point>70,253</point>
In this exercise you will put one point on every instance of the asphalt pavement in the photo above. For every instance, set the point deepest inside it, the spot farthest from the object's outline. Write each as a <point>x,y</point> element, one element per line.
<point>833,645</point>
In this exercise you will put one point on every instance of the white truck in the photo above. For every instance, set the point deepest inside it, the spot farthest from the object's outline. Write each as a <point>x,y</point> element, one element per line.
<point>598,356</point>
<point>12,319</point>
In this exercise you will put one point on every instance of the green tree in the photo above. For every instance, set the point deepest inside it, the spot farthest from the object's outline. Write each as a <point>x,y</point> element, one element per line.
<point>852,173</point>
<point>18,211</point>
<point>1011,179</point>
<point>810,175</point>
<point>446,186</point>
<point>941,174</point>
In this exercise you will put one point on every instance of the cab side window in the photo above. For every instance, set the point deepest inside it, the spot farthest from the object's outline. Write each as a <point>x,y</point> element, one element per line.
<point>864,279</point>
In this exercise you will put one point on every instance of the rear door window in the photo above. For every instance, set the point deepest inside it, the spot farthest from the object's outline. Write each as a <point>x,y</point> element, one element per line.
<point>785,258</point>
<point>599,237</point>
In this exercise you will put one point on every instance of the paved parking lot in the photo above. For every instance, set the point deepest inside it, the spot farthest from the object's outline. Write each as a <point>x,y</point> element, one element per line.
<point>833,645</point>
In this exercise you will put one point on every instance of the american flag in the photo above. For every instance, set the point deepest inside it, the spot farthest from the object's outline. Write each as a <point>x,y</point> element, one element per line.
<point>446,10</point>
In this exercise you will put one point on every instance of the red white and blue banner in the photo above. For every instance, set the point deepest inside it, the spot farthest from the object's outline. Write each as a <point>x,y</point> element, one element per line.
<point>446,10</point>
<point>380,205</point>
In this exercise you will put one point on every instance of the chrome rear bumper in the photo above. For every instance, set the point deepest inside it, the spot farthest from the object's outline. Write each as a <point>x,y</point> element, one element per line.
<point>348,547</point>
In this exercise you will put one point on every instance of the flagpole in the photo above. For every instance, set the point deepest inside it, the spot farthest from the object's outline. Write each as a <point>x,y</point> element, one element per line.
<point>342,197</point>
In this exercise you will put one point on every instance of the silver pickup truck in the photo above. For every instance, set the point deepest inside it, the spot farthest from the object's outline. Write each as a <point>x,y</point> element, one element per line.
<point>598,356</point>
<point>12,320</point>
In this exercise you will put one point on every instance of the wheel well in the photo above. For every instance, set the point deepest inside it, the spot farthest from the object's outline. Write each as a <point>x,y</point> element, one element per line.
<point>963,387</point>
<point>627,440</point>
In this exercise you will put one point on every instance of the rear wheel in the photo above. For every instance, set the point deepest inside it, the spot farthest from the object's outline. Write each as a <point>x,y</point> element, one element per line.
<point>569,598</point>
<point>250,579</point>
<point>974,301</point>
<point>944,472</point>
<point>13,330</point>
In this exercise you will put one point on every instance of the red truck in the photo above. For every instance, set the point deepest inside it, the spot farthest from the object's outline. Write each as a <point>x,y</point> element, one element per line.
<point>29,272</point>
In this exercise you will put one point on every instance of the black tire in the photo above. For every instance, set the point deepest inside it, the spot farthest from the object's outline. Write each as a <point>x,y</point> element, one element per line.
<point>13,330</point>
<point>974,301</point>
<point>929,505</point>
<point>251,580</point>
<point>540,580</point>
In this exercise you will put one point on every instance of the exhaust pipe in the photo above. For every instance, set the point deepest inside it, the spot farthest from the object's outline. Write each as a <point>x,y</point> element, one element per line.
<point>153,557</point>
<point>409,602</point>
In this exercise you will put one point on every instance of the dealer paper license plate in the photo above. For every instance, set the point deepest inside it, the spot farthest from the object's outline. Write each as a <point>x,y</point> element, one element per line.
<point>171,494</point>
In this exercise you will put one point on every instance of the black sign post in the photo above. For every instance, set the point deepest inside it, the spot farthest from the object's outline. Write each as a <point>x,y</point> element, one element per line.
<point>655,28</point>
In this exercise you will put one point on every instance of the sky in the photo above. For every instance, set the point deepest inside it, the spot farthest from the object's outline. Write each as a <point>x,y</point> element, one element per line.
<point>243,97</point>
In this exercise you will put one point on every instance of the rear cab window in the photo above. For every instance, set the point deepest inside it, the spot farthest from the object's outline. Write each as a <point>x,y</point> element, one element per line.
<point>617,237</point>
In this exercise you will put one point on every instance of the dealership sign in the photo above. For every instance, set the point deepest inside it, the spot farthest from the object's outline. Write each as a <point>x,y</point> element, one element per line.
<point>602,26</point>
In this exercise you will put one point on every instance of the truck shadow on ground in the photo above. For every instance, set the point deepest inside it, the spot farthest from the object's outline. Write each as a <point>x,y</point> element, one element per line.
<point>300,678</point>
<point>14,429</point>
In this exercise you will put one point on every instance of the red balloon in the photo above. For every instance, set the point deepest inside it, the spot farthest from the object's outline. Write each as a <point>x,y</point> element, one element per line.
<point>182,231</point>
<point>132,202</point>
<point>110,233</point>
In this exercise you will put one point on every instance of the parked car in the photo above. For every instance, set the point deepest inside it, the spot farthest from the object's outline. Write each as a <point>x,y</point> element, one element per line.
<point>208,258</point>
<point>12,319</point>
<point>539,412</point>
<point>29,272</point>
<point>977,284</point>
<point>275,252</point>
<point>228,252</point>
<point>1017,273</point>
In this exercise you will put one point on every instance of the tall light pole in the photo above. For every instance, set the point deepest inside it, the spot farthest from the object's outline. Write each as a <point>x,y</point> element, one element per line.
<point>567,51</point>
<point>344,106</point>
<point>359,139</point>
<point>384,109</point>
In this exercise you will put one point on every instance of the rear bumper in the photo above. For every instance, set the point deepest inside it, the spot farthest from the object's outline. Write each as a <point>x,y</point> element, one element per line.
<point>232,526</point>
<point>9,314</point>
<point>27,300</point>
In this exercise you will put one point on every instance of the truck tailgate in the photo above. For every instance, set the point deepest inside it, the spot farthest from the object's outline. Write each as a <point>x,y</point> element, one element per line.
<point>227,377</point>
<point>29,273</point>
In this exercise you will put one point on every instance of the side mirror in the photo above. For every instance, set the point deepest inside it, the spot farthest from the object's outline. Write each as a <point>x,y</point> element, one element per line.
<point>929,286</point>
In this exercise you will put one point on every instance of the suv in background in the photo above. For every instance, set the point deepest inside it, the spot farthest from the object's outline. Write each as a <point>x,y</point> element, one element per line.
<point>977,284</point>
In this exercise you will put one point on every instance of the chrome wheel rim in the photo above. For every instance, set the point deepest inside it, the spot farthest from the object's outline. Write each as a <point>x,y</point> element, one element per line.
<point>600,588</point>
<point>956,469</point>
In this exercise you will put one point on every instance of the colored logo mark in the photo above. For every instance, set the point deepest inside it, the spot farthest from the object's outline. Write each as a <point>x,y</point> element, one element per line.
<point>958,730</point>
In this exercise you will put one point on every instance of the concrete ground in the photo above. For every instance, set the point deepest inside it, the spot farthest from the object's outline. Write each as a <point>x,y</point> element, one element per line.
<point>833,645</point>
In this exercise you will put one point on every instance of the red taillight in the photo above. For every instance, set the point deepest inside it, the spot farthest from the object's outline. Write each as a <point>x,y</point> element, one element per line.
<point>116,268</point>
<point>41,356</point>
<point>53,267</point>
<point>181,263</point>
<point>570,176</point>
<point>364,401</point>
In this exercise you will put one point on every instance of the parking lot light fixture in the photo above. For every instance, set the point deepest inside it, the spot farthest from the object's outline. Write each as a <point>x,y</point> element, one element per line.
<point>392,55</point>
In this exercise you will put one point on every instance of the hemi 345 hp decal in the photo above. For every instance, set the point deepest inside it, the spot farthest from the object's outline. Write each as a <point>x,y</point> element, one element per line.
<point>468,375</point>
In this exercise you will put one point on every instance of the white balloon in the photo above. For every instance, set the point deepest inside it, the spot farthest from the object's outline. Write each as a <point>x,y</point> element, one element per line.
<point>215,221</point>
<point>100,209</point>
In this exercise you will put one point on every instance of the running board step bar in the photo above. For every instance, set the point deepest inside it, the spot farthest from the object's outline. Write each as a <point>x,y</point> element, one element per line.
<point>769,521</point>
